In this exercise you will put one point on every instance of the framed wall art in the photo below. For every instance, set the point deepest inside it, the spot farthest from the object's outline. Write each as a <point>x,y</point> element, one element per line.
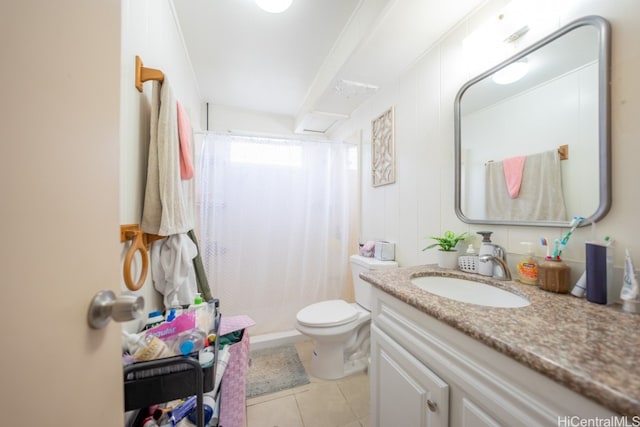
<point>383,164</point>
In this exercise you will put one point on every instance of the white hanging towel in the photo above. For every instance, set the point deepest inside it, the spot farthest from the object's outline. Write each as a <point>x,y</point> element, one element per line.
<point>168,200</point>
<point>540,197</point>
<point>172,268</point>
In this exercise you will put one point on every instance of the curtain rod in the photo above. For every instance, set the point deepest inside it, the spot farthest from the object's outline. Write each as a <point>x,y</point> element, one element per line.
<point>253,134</point>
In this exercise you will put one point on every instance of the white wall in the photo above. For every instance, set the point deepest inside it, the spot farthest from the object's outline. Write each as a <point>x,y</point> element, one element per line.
<point>421,202</point>
<point>149,30</point>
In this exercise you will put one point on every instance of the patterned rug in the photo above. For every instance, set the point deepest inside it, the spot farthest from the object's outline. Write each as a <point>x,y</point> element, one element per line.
<point>274,369</point>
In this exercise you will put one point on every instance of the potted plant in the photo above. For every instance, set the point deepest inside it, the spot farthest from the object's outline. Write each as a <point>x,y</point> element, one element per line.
<point>447,252</point>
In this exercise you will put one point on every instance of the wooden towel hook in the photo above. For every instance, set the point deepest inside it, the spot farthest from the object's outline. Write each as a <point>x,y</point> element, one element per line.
<point>144,74</point>
<point>563,150</point>
<point>140,243</point>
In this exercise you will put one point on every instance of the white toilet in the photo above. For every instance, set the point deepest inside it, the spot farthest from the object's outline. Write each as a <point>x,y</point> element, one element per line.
<point>340,331</point>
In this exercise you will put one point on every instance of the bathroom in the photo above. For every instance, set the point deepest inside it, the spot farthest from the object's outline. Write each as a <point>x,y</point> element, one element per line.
<point>86,60</point>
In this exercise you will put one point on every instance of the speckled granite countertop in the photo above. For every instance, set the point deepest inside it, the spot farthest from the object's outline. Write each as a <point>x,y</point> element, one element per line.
<point>590,348</point>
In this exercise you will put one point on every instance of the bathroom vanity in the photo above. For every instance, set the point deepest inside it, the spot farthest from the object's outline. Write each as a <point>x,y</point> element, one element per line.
<point>436,361</point>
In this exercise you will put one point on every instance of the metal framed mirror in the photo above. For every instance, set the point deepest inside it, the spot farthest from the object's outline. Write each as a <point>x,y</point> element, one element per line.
<point>537,151</point>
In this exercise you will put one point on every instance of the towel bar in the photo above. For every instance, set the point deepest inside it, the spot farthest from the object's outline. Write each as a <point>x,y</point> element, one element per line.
<point>143,74</point>
<point>563,151</point>
<point>140,243</point>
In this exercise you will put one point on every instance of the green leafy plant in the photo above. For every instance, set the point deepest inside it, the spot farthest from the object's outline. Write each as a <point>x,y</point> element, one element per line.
<point>447,242</point>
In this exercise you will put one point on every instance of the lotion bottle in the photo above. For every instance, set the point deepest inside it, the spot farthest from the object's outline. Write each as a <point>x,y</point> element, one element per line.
<point>528,267</point>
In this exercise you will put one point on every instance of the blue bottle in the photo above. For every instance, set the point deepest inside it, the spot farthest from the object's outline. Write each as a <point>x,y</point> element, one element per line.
<point>190,341</point>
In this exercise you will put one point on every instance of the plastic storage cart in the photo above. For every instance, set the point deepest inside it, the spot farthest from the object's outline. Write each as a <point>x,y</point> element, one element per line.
<point>162,380</point>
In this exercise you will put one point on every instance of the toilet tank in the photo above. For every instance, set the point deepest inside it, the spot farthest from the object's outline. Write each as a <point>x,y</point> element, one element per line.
<point>360,264</point>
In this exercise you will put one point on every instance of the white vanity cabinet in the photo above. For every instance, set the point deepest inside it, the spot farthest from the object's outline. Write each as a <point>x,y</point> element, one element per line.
<point>424,372</point>
<point>406,391</point>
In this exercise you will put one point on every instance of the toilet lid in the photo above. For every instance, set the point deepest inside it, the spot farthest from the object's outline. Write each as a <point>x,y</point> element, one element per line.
<point>327,313</point>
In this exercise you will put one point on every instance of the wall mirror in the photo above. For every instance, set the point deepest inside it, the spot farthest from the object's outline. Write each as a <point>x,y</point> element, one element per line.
<point>510,137</point>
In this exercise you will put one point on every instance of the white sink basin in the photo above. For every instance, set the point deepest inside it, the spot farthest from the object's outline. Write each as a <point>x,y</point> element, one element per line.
<point>470,292</point>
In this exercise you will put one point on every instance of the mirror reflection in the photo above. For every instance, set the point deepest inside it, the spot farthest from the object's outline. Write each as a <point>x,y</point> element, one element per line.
<point>532,134</point>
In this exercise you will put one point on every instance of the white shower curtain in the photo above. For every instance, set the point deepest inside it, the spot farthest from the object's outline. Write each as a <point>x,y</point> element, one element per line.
<point>275,221</point>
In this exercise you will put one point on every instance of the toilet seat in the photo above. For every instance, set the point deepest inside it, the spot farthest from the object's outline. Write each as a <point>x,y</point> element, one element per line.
<point>327,314</point>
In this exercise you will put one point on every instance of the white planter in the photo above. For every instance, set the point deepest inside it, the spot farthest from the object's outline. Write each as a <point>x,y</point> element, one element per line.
<point>448,259</point>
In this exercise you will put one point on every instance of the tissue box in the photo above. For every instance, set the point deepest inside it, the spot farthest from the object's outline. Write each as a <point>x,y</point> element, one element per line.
<point>385,251</point>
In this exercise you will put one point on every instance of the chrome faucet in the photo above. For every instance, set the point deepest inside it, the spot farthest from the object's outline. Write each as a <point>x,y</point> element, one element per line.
<point>506,274</point>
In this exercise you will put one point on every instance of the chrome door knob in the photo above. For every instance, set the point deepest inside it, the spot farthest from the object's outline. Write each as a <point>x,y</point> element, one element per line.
<point>106,306</point>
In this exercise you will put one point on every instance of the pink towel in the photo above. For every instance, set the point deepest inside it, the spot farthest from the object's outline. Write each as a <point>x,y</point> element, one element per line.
<point>513,168</point>
<point>184,133</point>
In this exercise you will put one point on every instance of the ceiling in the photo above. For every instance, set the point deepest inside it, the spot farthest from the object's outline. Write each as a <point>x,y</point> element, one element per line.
<point>317,61</point>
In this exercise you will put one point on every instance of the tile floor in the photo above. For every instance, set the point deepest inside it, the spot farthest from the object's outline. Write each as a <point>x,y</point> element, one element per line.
<point>321,403</point>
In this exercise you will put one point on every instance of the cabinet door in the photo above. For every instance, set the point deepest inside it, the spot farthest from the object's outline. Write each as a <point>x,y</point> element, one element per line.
<point>404,392</point>
<point>473,416</point>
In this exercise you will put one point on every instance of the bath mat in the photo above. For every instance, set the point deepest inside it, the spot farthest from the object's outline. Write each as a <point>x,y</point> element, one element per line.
<point>274,369</point>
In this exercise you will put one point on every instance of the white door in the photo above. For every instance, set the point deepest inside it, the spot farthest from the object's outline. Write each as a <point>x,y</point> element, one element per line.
<point>405,392</point>
<point>59,172</point>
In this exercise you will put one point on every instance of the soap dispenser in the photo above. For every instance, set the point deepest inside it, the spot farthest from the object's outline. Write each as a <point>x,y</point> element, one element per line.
<point>528,267</point>
<point>486,248</point>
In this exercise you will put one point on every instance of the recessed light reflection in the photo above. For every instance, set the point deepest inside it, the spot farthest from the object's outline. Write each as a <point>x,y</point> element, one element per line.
<point>511,73</point>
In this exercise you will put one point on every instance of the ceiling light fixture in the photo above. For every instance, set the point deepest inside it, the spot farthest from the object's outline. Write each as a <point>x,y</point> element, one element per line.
<point>350,89</point>
<point>516,35</point>
<point>274,6</point>
<point>512,73</point>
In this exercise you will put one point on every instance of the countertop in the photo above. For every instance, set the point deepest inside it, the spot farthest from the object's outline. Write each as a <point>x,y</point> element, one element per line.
<point>590,348</point>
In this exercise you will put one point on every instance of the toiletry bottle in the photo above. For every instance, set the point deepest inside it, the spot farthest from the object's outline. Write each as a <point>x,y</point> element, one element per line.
<point>528,267</point>
<point>179,412</point>
<point>175,309</point>
<point>221,364</point>
<point>203,316</point>
<point>486,248</point>
<point>190,341</point>
<point>579,289</point>
<point>198,303</point>
<point>209,404</point>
